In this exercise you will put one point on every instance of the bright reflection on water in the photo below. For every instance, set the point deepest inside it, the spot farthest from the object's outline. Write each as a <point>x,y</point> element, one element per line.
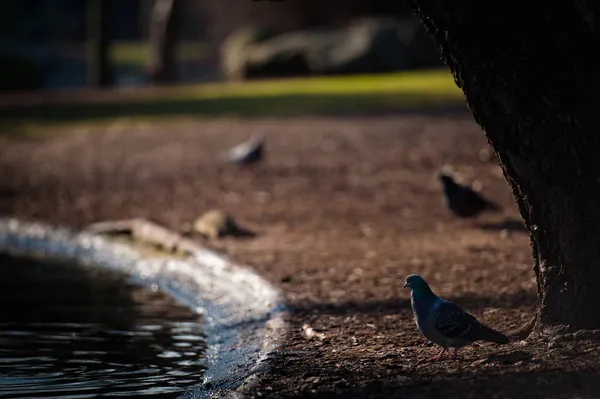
<point>71,332</point>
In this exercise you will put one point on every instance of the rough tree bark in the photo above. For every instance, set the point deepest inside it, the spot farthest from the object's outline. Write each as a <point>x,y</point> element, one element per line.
<point>100,73</point>
<point>531,79</point>
<point>164,28</point>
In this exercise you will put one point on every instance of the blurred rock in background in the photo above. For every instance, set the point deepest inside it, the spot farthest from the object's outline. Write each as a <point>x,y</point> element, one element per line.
<point>367,45</point>
<point>43,42</point>
<point>311,37</point>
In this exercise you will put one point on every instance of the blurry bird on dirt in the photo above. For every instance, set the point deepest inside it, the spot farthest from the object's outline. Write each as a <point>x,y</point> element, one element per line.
<point>248,152</point>
<point>443,322</point>
<point>462,200</point>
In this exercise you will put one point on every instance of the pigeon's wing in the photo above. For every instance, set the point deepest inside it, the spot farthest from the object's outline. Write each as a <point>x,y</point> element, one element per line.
<point>246,151</point>
<point>451,321</point>
<point>239,151</point>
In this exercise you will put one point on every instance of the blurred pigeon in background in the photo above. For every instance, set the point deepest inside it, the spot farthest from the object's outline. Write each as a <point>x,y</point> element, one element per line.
<point>248,152</point>
<point>444,323</point>
<point>462,200</point>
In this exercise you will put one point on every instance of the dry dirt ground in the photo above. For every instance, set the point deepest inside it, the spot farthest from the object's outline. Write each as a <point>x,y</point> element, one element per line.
<point>344,209</point>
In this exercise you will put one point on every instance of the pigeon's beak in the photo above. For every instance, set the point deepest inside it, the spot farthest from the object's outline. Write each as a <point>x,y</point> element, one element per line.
<point>405,285</point>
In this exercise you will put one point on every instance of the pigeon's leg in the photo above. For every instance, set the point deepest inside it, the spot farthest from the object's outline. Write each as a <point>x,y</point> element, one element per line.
<point>455,354</point>
<point>440,355</point>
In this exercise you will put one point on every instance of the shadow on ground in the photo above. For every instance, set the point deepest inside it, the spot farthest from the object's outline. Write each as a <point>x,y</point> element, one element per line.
<point>391,306</point>
<point>49,111</point>
<point>509,224</point>
<point>531,384</point>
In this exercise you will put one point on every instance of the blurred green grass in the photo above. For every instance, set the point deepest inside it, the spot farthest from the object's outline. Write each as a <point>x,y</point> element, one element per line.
<point>335,95</point>
<point>136,54</point>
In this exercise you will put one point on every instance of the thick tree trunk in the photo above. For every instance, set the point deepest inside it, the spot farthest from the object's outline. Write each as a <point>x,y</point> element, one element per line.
<point>100,73</point>
<point>165,24</point>
<point>531,78</point>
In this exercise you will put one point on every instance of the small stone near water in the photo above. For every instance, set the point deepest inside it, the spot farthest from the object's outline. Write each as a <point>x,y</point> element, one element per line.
<point>216,223</point>
<point>310,332</point>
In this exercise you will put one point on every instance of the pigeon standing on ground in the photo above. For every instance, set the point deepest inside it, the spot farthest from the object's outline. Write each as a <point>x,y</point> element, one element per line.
<point>247,153</point>
<point>443,322</point>
<point>462,200</point>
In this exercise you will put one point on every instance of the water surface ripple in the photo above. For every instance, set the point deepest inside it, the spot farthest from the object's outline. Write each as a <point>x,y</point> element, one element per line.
<point>75,332</point>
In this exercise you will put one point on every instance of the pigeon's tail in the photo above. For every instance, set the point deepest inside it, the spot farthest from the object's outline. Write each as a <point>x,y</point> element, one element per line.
<point>484,333</point>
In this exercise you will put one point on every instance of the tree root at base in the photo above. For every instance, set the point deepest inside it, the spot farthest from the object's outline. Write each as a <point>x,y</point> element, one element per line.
<point>580,335</point>
<point>524,331</point>
<point>561,333</point>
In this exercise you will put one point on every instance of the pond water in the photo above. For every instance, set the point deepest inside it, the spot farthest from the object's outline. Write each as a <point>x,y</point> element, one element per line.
<point>76,332</point>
